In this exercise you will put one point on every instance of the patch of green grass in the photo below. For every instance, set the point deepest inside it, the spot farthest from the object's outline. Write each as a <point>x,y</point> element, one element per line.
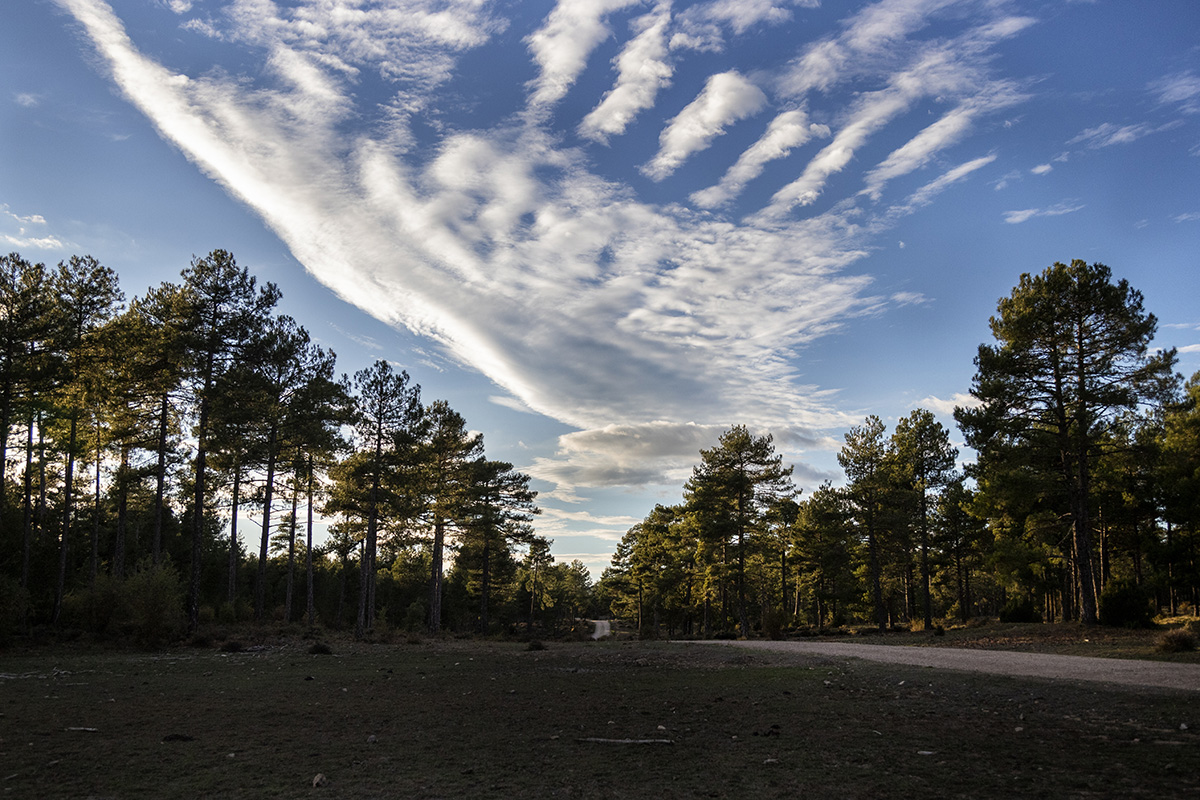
<point>488,719</point>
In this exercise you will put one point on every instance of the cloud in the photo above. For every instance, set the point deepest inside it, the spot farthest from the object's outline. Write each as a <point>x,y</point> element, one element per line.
<point>787,131</point>
<point>1024,215</point>
<point>941,69</point>
<point>1042,169</point>
<point>727,97</point>
<point>946,407</point>
<point>1108,134</point>
<point>646,326</point>
<point>27,99</point>
<point>1189,348</point>
<point>561,47</point>
<point>1182,89</point>
<point>642,70</point>
<point>1191,216</point>
<point>22,238</point>
<point>926,194</point>
<point>701,27</point>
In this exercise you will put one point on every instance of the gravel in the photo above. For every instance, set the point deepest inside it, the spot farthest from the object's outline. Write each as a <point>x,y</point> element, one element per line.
<point>1128,672</point>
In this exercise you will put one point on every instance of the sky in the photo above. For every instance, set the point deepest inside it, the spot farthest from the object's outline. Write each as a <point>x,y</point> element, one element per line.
<point>607,230</point>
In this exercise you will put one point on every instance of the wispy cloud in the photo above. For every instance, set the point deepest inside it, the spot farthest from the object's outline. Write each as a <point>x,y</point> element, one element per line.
<point>727,97</point>
<point>1182,89</point>
<point>1057,210</point>
<point>642,69</point>
<point>1042,169</point>
<point>789,130</point>
<point>27,99</point>
<point>1190,216</point>
<point>1108,134</point>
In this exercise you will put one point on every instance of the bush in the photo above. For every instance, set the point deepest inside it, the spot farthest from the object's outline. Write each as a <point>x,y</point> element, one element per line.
<point>14,607</point>
<point>94,608</point>
<point>154,602</point>
<point>1019,610</point>
<point>1177,640</point>
<point>1126,605</point>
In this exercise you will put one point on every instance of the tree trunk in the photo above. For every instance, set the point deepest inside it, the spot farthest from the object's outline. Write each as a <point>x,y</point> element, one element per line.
<point>435,576</point>
<point>310,604</point>
<point>64,546</point>
<point>231,588</point>
<point>260,585</point>
<point>291,571</point>
<point>161,475</point>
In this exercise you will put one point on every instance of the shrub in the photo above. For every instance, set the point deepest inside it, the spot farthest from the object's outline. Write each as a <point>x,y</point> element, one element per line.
<point>1126,605</point>
<point>154,602</point>
<point>14,607</point>
<point>94,608</point>
<point>1019,610</point>
<point>1177,640</point>
<point>320,649</point>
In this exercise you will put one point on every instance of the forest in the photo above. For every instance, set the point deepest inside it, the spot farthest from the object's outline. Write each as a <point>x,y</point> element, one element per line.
<point>1082,502</point>
<point>138,436</point>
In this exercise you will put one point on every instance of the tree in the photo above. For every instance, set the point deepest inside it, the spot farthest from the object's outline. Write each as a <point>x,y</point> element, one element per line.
<point>825,553</point>
<point>1072,352</point>
<point>732,489</point>
<point>88,297</point>
<point>865,460</point>
<point>500,510</point>
<point>927,460</point>
<point>447,453</point>
<point>224,308</point>
<point>386,411</point>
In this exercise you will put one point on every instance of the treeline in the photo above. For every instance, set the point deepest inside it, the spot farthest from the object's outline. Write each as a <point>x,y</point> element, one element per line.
<point>1083,504</point>
<point>135,437</point>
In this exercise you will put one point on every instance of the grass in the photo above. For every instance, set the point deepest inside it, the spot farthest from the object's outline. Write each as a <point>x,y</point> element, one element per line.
<point>440,718</point>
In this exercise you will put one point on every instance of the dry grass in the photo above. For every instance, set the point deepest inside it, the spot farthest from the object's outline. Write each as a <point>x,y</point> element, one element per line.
<point>485,719</point>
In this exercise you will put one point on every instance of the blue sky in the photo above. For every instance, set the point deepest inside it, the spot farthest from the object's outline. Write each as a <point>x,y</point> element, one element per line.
<point>607,230</point>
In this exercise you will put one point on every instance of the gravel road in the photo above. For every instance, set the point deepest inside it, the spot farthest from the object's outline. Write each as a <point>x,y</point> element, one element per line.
<point>999,662</point>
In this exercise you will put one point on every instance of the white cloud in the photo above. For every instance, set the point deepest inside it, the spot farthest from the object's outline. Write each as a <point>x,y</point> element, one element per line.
<point>1024,215</point>
<point>727,98</point>
<point>22,238</point>
<point>1191,216</point>
<point>1108,134</point>
<point>642,70</point>
<point>27,99</point>
<point>925,195</point>
<point>787,131</point>
<point>562,46</point>
<point>1042,169</point>
<point>1182,89</point>
<point>946,407</point>
<point>1189,348</point>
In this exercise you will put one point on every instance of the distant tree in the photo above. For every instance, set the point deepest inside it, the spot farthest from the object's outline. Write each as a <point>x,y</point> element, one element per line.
<point>825,553</point>
<point>501,508</point>
<point>1072,352</point>
<point>865,458</point>
<point>926,460</point>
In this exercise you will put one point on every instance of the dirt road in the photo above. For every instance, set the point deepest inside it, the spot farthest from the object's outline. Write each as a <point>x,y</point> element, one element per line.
<point>999,662</point>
